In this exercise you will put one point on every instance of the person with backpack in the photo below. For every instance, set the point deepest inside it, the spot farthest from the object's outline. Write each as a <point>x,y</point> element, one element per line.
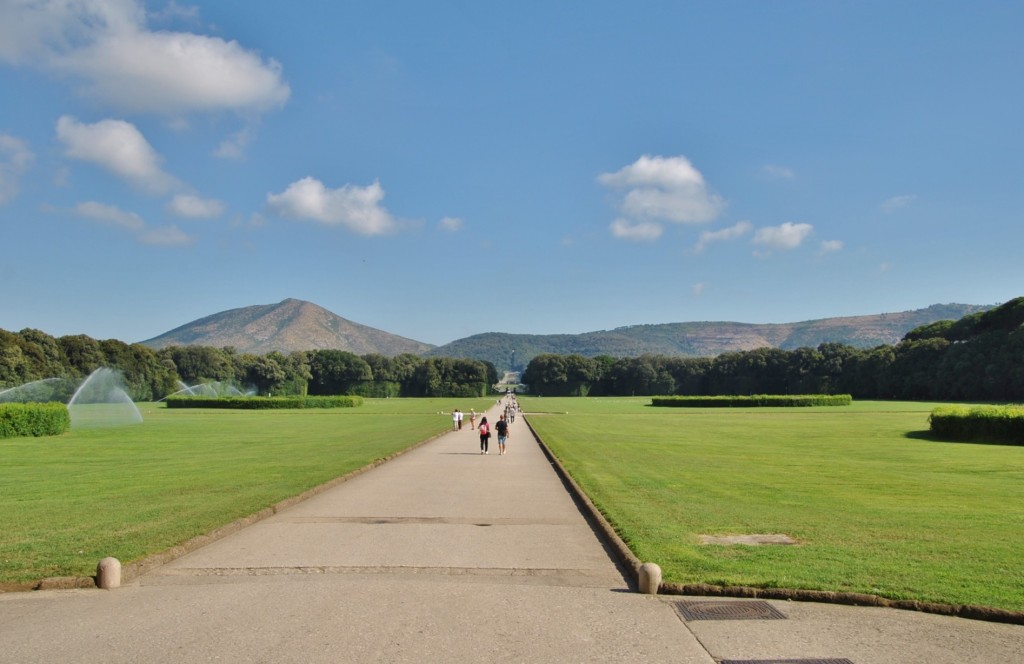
<point>485,435</point>
<point>501,426</point>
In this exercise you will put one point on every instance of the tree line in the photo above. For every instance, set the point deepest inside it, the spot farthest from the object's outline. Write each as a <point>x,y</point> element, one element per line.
<point>31,355</point>
<point>977,358</point>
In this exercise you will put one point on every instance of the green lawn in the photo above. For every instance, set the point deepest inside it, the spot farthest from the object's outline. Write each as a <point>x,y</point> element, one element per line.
<point>877,506</point>
<point>68,501</point>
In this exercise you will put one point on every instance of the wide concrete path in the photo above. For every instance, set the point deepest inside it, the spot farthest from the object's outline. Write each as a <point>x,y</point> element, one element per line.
<point>445,555</point>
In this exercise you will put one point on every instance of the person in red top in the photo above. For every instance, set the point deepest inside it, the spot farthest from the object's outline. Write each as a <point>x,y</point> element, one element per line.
<point>485,435</point>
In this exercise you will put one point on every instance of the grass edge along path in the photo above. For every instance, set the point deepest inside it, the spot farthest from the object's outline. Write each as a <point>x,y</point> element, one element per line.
<point>148,493</point>
<point>604,519</point>
<point>138,567</point>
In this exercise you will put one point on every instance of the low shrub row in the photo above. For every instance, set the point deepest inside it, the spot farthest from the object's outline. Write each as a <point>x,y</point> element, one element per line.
<point>754,401</point>
<point>264,403</point>
<point>990,424</point>
<point>33,419</point>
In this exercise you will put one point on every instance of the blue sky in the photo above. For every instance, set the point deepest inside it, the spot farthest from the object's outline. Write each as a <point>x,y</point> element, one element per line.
<point>441,169</point>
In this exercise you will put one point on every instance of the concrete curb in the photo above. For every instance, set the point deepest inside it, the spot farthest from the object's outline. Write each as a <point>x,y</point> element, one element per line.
<point>627,560</point>
<point>145,565</point>
<point>968,611</point>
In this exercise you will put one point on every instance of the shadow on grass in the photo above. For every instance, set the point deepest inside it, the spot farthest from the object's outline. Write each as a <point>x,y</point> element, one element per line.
<point>932,437</point>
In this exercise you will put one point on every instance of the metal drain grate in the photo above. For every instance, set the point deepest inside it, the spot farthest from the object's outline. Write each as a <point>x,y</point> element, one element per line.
<point>728,611</point>
<point>786,661</point>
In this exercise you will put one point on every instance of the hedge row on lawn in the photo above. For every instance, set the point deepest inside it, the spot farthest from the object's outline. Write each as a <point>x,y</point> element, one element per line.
<point>754,401</point>
<point>264,403</point>
<point>33,419</point>
<point>991,424</point>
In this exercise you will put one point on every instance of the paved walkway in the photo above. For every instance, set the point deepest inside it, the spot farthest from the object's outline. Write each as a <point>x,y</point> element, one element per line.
<point>446,555</point>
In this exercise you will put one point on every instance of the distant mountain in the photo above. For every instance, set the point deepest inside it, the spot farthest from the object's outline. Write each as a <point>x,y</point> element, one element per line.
<point>297,325</point>
<point>287,326</point>
<point>704,339</point>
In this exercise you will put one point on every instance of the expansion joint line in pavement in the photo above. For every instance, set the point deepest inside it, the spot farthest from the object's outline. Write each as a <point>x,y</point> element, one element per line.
<point>531,576</point>
<point>373,569</point>
<point>414,520</point>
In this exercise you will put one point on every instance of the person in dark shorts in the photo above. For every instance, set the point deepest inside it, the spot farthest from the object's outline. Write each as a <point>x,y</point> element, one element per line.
<point>501,427</point>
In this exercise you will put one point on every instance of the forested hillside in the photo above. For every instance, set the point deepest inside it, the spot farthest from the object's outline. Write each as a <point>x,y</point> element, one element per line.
<point>295,325</point>
<point>701,339</point>
<point>978,358</point>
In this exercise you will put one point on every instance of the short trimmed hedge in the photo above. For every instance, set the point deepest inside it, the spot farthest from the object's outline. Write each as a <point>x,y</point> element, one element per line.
<point>755,401</point>
<point>990,424</point>
<point>264,403</point>
<point>33,419</point>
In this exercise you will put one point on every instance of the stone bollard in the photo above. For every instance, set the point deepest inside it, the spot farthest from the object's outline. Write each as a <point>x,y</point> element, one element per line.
<point>108,573</point>
<point>649,578</point>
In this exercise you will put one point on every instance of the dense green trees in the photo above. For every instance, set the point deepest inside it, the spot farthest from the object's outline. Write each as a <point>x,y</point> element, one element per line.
<point>977,358</point>
<point>31,355</point>
<point>445,376</point>
<point>336,371</point>
<point>83,353</point>
<point>263,372</point>
<point>563,375</point>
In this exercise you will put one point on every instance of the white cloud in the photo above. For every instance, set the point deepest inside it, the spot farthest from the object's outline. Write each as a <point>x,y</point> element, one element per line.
<point>896,202</point>
<point>120,148</point>
<point>666,189</point>
<point>785,236</point>
<point>15,158</point>
<point>707,237</point>
<point>356,208</point>
<point>175,12</point>
<point>451,224</point>
<point>776,171</point>
<point>110,215</point>
<point>167,236</point>
<point>831,246</point>
<point>194,207</point>
<point>37,31</point>
<point>178,124</point>
<point>637,231</point>
<point>698,288</point>
<point>233,147</point>
<point>177,73</point>
<point>107,46</point>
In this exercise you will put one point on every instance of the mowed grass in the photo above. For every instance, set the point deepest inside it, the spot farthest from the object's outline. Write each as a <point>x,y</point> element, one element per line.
<point>878,507</point>
<point>68,501</point>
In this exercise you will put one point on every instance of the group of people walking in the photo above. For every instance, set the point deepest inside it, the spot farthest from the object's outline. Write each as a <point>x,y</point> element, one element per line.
<point>508,415</point>
<point>500,428</point>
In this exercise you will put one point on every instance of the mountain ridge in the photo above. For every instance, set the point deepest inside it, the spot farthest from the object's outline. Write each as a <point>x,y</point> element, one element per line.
<point>286,326</point>
<point>292,325</point>
<point>708,338</point>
